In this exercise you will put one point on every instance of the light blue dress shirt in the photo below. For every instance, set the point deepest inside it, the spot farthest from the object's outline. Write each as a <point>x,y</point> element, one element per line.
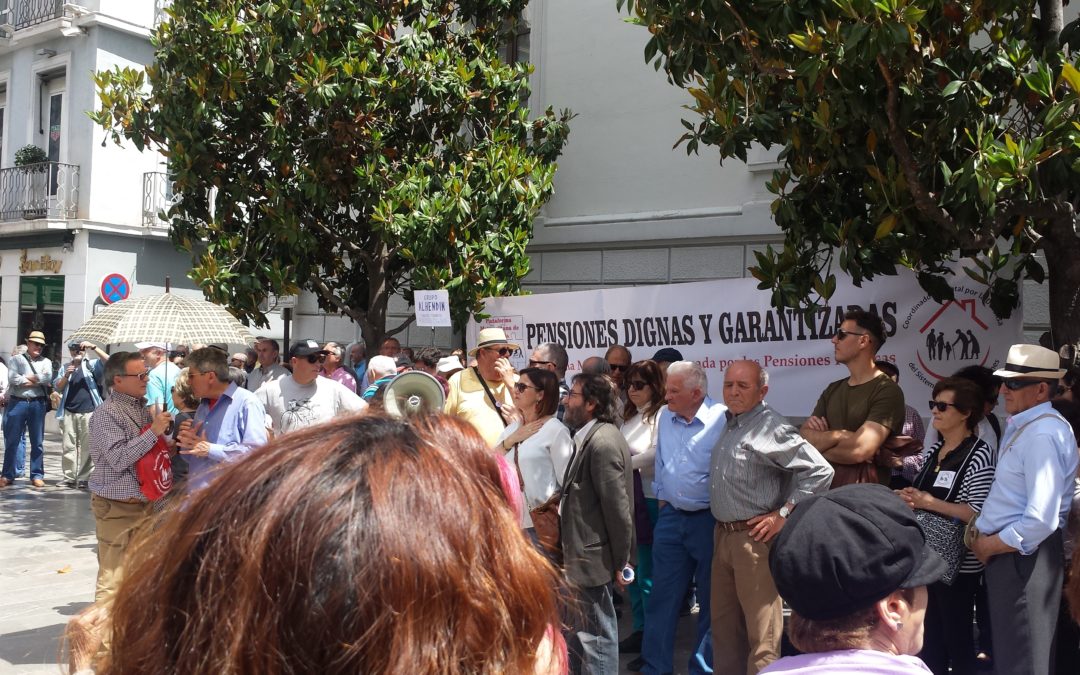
<point>235,426</point>
<point>1033,484</point>
<point>683,455</point>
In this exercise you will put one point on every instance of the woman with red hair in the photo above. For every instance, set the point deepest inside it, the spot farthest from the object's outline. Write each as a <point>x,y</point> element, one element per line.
<point>367,545</point>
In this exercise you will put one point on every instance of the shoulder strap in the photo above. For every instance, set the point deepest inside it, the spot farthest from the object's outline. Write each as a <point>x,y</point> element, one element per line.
<point>491,397</point>
<point>1019,431</point>
<point>30,365</point>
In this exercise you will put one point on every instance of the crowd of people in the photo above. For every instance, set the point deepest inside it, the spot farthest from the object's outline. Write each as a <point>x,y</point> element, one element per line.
<point>501,536</point>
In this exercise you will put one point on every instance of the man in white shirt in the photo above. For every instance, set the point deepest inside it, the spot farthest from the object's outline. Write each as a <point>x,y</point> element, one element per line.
<point>304,399</point>
<point>267,369</point>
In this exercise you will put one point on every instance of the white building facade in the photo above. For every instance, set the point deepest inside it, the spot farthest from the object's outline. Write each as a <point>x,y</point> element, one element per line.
<point>90,210</point>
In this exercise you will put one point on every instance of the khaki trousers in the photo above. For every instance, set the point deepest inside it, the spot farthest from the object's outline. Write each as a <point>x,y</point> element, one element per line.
<point>117,524</point>
<point>747,613</point>
<point>75,461</point>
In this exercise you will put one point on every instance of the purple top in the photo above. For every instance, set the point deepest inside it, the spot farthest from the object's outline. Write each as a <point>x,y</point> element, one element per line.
<point>849,662</point>
<point>343,376</point>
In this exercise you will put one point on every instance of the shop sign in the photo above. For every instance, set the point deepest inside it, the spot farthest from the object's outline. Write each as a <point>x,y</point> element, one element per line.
<point>44,263</point>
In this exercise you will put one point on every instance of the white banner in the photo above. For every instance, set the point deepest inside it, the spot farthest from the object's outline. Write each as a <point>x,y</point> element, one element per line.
<point>432,308</point>
<point>716,322</point>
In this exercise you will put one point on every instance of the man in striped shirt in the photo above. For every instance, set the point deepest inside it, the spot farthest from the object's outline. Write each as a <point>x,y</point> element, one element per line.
<point>761,468</point>
<point>119,437</point>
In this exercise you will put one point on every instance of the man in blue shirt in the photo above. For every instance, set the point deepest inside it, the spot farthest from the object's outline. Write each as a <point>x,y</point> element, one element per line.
<point>229,422</point>
<point>689,427</point>
<point>162,377</point>
<point>1021,522</point>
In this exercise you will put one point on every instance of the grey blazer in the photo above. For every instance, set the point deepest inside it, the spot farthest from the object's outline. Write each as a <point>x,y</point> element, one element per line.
<point>597,507</point>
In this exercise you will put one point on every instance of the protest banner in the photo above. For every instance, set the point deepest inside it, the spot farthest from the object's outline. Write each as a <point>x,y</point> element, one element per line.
<point>717,322</point>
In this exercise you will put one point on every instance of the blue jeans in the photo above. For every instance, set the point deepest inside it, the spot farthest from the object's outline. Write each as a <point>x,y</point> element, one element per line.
<point>20,454</point>
<point>23,415</point>
<point>592,631</point>
<point>682,550</point>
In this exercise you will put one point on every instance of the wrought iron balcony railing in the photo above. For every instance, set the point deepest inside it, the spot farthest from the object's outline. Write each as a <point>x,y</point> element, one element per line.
<point>44,190</point>
<point>26,13</point>
<point>157,197</point>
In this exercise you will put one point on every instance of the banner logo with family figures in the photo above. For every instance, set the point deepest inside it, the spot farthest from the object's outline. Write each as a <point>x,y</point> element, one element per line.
<point>953,335</point>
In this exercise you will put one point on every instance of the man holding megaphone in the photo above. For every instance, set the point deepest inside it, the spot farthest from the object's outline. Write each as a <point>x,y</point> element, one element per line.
<point>304,399</point>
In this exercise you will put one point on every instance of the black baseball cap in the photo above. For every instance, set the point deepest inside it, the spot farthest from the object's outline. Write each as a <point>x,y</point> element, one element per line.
<point>667,355</point>
<point>844,550</point>
<point>305,348</point>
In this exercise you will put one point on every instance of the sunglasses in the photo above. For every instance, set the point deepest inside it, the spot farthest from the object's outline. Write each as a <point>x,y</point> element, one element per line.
<point>1012,384</point>
<point>941,406</point>
<point>502,351</point>
<point>533,363</point>
<point>841,333</point>
<point>315,358</point>
<point>144,376</point>
<point>638,385</point>
<point>616,368</point>
<point>521,387</point>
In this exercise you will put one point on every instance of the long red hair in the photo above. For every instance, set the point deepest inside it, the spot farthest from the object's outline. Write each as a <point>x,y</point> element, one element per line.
<point>367,545</point>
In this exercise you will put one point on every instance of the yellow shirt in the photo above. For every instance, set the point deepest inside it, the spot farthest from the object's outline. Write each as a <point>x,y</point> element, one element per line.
<point>468,401</point>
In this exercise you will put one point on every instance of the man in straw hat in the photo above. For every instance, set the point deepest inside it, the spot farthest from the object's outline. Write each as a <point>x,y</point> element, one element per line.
<point>481,395</point>
<point>1021,522</point>
<point>30,376</point>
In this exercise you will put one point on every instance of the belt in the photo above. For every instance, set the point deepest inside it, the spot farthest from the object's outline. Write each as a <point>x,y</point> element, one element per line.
<point>131,500</point>
<point>30,398</point>
<point>734,526</point>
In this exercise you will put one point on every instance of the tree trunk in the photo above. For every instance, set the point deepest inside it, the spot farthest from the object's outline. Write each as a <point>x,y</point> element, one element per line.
<point>374,328</point>
<point>1051,21</point>
<point>1062,248</point>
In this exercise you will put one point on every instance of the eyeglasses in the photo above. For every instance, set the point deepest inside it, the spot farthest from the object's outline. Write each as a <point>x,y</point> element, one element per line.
<point>502,351</point>
<point>841,333</point>
<point>1012,384</point>
<point>315,358</point>
<point>618,368</point>
<point>572,394</point>
<point>638,385</point>
<point>533,363</point>
<point>941,406</point>
<point>521,387</point>
<point>144,375</point>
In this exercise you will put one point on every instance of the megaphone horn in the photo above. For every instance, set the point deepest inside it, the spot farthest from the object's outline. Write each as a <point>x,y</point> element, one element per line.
<point>413,393</point>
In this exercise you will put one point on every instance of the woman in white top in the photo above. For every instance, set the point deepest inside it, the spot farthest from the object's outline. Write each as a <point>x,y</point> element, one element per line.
<point>645,397</point>
<point>539,444</point>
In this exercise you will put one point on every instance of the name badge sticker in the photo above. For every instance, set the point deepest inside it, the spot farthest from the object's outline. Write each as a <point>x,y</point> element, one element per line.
<point>945,479</point>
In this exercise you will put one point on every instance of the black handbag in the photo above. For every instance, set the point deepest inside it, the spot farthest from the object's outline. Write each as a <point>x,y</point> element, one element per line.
<point>946,536</point>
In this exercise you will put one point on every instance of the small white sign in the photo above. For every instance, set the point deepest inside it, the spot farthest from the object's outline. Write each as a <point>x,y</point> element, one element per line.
<point>432,308</point>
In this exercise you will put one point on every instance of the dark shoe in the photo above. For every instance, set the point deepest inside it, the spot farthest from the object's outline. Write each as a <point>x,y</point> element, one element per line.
<point>38,483</point>
<point>82,485</point>
<point>636,665</point>
<point>632,643</point>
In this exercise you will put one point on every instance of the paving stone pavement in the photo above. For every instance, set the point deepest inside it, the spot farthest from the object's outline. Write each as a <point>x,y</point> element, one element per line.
<point>48,563</point>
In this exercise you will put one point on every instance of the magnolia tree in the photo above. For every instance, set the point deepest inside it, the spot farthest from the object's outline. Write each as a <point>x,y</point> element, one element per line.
<point>912,132</point>
<point>354,149</point>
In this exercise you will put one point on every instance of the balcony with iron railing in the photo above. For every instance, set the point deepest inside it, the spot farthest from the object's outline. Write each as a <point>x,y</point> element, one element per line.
<point>19,14</point>
<point>157,198</point>
<point>42,190</point>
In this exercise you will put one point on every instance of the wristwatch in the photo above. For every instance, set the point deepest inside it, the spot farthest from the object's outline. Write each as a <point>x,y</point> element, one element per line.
<point>784,511</point>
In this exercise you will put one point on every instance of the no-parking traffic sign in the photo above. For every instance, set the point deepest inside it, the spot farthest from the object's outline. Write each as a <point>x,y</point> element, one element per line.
<point>114,288</point>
